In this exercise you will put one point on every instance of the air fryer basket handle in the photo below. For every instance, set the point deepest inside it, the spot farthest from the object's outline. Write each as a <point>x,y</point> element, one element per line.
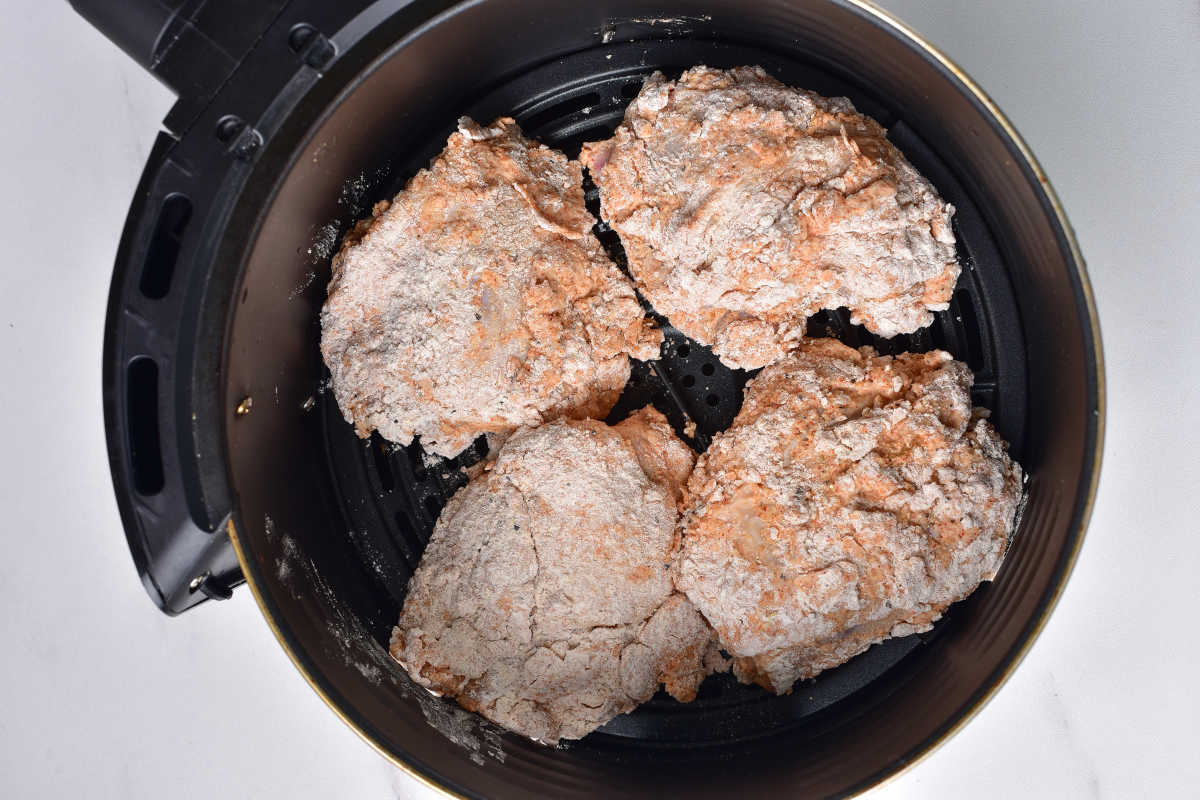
<point>135,26</point>
<point>228,60</point>
<point>231,62</point>
<point>159,402</point>
<point>192,46</point>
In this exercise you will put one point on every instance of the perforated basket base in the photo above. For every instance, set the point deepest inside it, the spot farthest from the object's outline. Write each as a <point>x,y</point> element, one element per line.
<point>391,495</point>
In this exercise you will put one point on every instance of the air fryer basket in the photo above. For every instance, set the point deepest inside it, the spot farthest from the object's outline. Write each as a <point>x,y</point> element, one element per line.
<point>328,528</point>
<point>391,495</point>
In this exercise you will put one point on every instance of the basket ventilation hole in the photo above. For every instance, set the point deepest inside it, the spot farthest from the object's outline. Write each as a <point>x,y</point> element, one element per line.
<point>383,466</point>
<point>145,454</point>
<point>164,246</point>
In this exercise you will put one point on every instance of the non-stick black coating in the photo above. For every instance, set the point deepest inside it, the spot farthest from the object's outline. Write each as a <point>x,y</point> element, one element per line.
<point>331,526</point>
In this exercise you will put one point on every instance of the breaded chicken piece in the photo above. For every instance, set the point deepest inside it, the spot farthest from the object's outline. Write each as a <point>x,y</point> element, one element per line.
<point>479,301</point>
<point>545,600</point>
<point>854,498</point>
<point>746,206</point>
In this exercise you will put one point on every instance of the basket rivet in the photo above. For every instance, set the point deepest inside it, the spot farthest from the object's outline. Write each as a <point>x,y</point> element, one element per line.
<point>243,408</point>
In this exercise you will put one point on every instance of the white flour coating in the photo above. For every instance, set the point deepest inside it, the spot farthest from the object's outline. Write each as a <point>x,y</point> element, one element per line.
<point>479,301</point>
<point>321,247</point>
<point>746,206</point>
<point>854,498</point>
<point>545,600</point>
<point>462,728</point>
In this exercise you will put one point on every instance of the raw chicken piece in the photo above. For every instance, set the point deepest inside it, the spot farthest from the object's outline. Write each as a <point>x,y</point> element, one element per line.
<point>545,600</point>
<point>854,498</point>
<point>479,301</point>
<point>746,206</point>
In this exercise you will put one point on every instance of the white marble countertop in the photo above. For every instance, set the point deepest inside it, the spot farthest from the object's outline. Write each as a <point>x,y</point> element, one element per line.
<point>105,697</point>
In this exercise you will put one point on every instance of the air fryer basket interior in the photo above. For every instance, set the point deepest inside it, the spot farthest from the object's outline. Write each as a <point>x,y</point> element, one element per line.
<point>330,527</point>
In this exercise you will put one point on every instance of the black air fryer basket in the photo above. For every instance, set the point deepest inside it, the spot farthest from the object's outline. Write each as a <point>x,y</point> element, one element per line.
<point>232,463</point>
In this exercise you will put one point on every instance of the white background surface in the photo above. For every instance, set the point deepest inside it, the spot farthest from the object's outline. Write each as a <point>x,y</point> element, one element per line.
<point>102,696</point>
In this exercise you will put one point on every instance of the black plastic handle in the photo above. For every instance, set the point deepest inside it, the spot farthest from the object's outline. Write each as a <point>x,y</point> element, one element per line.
<point>235,65</point>
<point>192,46</point>
<point>163,334</point>
<point>170,485</point>
<point>136,26</point>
